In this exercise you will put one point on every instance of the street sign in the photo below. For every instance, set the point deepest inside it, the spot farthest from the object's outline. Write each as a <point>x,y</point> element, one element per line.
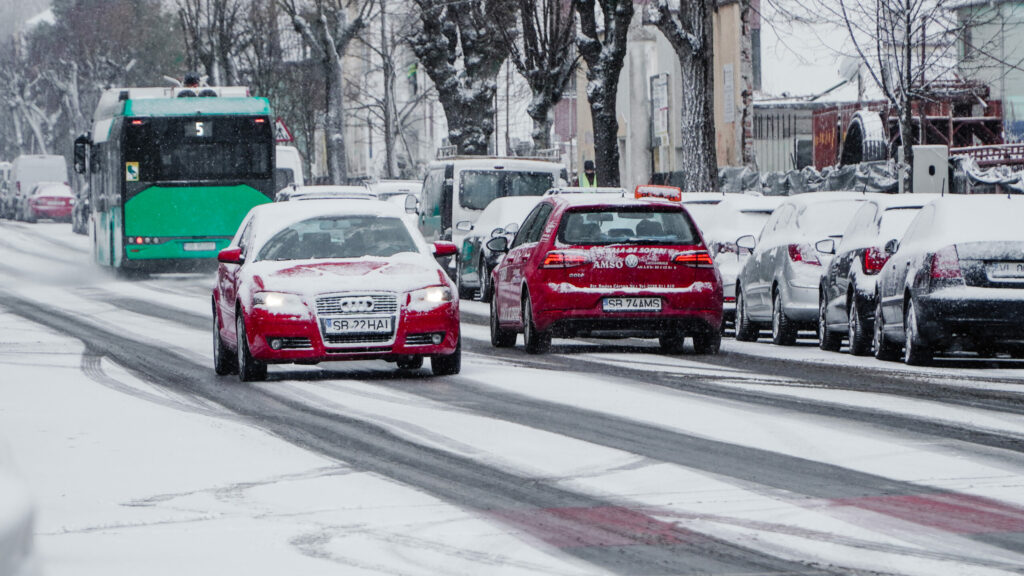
<point>281,132</point>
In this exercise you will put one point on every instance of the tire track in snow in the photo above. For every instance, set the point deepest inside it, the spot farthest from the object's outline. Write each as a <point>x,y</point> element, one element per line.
<point>601,532</point>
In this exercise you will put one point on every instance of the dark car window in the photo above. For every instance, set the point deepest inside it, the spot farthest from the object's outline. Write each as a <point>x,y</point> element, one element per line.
<point>339,237</point>
<point>541,213</point>
<point>626,225</point>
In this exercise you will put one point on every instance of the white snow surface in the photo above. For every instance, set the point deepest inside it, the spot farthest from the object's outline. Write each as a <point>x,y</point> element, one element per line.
<point>132,477</point>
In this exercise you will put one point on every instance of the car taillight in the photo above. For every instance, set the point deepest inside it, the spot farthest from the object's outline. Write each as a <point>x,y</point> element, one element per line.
<point>946,264</point>
<point>874,260</point>
<point>803,253</point>
<point>694,258</point>
<point>564,259</point>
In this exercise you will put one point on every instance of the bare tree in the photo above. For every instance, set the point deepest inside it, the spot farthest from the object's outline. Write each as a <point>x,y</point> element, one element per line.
<point>458,47</point>
<point>689,30</point>
<point>213,36</point>
<point>604,49</point>
<point>329,35</point>
<point>544,53</point>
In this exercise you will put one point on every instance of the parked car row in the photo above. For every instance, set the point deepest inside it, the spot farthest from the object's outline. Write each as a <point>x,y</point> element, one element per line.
<point>902,276</point>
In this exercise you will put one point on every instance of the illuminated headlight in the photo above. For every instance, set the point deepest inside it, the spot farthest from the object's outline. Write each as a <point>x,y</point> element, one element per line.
<point>429,298</point>
<point>279,303</point>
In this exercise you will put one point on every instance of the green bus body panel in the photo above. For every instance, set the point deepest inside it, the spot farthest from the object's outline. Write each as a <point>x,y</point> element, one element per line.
<point>197,106</point>
<point>197,212</point>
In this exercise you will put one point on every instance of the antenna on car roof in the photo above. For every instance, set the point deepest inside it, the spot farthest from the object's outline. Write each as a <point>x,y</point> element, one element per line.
<point>943,189</point>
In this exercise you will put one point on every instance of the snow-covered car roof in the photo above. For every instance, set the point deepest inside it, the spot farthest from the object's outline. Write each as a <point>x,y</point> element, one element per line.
<point>503,211</point>
<point>271,218</point>
<point>324,192</point>
<point>388,187</point>
<point>584,190</point>
<point>610,200</point>
<point>958,218</point>
<point>52,189</point>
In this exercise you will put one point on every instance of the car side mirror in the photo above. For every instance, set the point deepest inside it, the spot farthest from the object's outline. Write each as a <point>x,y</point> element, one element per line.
<point>442,249</point>
<point>826,246</point>
<point>412,204</point>
<point>498,245</point>
<point>747,242</point>
<point>464,226</point>
<point>497,232</point>
<point>512,228</point>
<point>230,256</point>
<point>892,246</point>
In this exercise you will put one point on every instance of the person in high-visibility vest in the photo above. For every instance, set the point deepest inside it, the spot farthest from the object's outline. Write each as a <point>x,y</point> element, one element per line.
<point>589,178</point>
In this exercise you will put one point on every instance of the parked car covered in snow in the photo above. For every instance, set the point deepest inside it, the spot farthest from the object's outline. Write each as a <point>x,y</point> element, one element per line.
<point>502,216</point>
<point>722,224</point>
<point>26,171</point>
<point>323,280</point>
<point>778,284</point>
<point>956,279</point>
<point>846,301</point>
<point>600,265</point>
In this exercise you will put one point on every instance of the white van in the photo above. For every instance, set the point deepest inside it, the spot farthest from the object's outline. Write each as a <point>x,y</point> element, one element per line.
<point>456,191</point>
<point>288,168</point>
<point>26,171</point>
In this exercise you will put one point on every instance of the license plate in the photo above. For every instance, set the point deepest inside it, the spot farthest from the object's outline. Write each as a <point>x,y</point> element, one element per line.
<point>373,325</point>
<point>199,246</point>
<point>631,304</point>
<point>1003,271</point>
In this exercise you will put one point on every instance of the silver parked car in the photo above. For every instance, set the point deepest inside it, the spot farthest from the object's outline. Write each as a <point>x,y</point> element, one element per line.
<point>778,285</point>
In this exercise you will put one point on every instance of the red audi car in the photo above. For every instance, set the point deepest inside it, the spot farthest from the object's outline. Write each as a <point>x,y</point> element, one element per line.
<point>324,280</point>
<point>601,265</point>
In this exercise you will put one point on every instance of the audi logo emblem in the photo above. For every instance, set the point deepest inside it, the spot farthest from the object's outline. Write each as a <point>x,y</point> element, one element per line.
<point>356,304</point>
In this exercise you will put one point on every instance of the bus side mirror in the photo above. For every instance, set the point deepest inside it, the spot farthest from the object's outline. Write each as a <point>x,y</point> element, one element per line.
<point>82,153</point>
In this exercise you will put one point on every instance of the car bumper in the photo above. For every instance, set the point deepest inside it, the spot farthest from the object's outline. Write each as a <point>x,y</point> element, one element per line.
<point>301,340</point>
<point>569,312</point>
<point>52,212</point>
<point>800,303</point>
<point>988,313</point>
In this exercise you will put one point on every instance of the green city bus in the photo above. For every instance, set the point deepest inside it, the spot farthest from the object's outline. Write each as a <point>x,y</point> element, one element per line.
<point>172,172</point>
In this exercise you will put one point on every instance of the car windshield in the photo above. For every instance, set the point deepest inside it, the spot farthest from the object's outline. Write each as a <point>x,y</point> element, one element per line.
<point>480,187</point>
<point>827,218</point>
<point>626,226</point>
<point>895,222</point>
<point>339,237</point>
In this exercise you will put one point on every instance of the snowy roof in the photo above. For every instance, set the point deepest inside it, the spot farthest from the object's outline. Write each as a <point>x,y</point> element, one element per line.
<point>498,163</point>
<point>503,211</point>
<point>962,218</point>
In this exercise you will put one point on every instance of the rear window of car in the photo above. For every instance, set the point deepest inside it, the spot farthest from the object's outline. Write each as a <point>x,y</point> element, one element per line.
<point>339,237</point>
<point>626,226</point>
<point>827,218</point>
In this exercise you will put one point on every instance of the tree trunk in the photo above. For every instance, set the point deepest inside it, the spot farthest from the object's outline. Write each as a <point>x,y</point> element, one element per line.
<point>699,150</point>
<point>334,129</point>
<point>390,106</point>
<point>606,129</point>
<point>542,130</point>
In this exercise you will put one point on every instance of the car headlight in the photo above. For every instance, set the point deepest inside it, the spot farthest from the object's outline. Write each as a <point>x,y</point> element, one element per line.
<point>429,298</point>
<point>279,303</point>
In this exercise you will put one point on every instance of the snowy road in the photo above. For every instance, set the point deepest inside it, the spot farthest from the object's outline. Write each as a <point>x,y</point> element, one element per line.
<point>598,458</point>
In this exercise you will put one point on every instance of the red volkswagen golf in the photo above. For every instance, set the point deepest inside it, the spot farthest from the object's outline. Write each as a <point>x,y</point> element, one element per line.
<point>306,282</point>
<point>601,265</point>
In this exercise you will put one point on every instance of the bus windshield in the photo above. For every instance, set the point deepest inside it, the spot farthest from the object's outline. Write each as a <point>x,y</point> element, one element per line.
<point>206,148</point>
<point>479,187</point>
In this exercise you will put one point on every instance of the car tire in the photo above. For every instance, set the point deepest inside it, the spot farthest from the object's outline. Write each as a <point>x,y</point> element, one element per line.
<point>249,369</point>
<point>448,364</point>
<point>827,340</point>
<point>224,361</point>
<point>915,350</point>
<point>672,343</point>
<point>746,331</point>
<point>884,349</point>
<point>500,337</point>
<point>707,342</point>
<point>783,331</point>
<point>486,288</point>
<point>536,342</point>
<point>411,362</point>
<point>858,332</point>
<point>464,292</point>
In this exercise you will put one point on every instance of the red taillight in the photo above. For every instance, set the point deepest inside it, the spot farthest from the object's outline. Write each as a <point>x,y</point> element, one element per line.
<point>874,260</point>
<point>694,258</point>
<point>564,259</point>
<point>946,264</point>
<point>137,122</point>
<point>803,253</point>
